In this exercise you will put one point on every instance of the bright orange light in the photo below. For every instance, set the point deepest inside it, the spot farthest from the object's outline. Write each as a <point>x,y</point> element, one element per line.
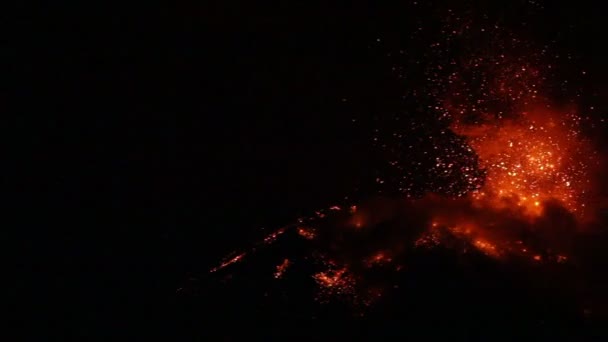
<point>486,247</point>
<point>537,157</point>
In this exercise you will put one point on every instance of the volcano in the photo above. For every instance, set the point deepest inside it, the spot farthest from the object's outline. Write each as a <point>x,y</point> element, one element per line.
<point>297,282</point>
<point>486,219</point>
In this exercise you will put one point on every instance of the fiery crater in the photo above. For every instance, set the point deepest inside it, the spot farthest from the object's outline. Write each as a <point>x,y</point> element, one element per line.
<point>538,157</point>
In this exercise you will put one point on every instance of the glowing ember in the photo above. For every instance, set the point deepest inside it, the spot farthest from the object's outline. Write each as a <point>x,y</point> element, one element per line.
<point>273,236</point>
<point>334,283</point>
<point>281,269</point>
<point>379,258</point>
<point>429,239</point>
<point>486,247</point>
<point>330,278</point>
<point>307,233</point>
<point>229,262</point>
<point>269,239</point>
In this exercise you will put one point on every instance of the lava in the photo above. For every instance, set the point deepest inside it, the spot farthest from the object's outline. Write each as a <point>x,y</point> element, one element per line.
<point>335,282</point>
<point>273,236</point>
<point>281,268</point>
<point>229,262</point>
<point>486,247</point>
<point>307,233</point>
<point>379,258</point>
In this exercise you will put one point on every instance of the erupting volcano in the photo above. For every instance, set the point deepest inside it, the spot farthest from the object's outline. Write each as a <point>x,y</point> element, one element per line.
<point>509,176</point>
<point>528,191</point>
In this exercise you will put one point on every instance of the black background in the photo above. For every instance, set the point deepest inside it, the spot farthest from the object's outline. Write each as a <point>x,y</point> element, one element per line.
<point>166,136</point>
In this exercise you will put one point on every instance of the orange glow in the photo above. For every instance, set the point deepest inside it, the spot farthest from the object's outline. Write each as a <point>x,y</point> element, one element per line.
<point>486,247</point>
<point>428,239</point>
<point>281,269</point>
<point>357,220</point>
<point>228,262</point>
<point>273,236</point>
<point>334,282</point>
<point>535,158</point>
<point>378,258</point>
<point>307,233</point>
<point>330,279</point>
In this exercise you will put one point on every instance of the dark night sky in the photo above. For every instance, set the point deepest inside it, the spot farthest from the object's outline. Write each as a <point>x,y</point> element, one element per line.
<point>168,135</point>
